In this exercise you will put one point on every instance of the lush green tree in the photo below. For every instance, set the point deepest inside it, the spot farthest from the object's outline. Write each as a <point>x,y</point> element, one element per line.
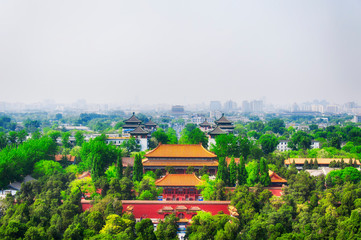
<point>253,173</point>
<point>222,170</point>
<point>196,136</point>
<point>97,148</point>
<point>79,138</point>
<point>242,172</point>
<point>167,229</point>
<point>21,135</point>
<point>350,174</point>
<point>138,168</point>
<point>232,172</point>
<point>65,139</point>
<point>131,145</point>
<point>268,143</point>
<point>265,179</point>
<point>12,137</point>
<point>172,136</point>
<point>277,125</point>
<point>46,168</point>
<point>145,230</point>
<point>161,136</point>
<point>300,140</point>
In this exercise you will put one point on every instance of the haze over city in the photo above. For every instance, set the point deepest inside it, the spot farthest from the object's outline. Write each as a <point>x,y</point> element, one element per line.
<point>180,52</point>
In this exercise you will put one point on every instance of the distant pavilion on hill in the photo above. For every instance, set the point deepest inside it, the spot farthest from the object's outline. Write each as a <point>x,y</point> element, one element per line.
<point>180,157</point>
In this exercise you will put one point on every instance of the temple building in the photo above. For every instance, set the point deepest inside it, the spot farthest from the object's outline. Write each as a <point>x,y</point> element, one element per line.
<point>215,132</point>
<point>150,126</point>
<point>139,132</point>
<point>225,124</point>
<point>180,157</point>
<point>205,126</point>
<point>179,187</point>
<point>131,124</point>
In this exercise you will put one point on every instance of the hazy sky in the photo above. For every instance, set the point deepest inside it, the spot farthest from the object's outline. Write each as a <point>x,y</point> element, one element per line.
<point>180,52</point>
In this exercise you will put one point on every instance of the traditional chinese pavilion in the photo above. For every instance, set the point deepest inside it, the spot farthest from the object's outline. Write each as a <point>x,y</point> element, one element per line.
<point>205,126</point>
<point>139,132</point>
<point>150,125</point>
<point>132,123</point>
<point>225,124</point>
<point>179,187</point>
<point>180,157</point>
<point>215,132</point>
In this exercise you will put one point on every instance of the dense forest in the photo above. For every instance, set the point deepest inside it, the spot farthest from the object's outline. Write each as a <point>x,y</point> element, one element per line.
<point>323,207</point>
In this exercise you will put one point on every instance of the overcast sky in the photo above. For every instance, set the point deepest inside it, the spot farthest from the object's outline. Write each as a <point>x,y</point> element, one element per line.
<point>180,52</point>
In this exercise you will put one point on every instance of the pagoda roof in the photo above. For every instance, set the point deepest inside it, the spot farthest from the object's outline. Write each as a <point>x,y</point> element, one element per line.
<point>180,151</point>
<point>179,163</point>
<point>217,131</point>
<point>223,120</point>
<point>275,178</point>
<point>186,180</point>
<point>150,123</point>
<point>133,119</point>
<point>205,124</point>
<point>138,131</point>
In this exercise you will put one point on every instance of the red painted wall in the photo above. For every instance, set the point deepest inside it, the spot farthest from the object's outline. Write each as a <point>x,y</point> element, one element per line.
<point>149,209</point>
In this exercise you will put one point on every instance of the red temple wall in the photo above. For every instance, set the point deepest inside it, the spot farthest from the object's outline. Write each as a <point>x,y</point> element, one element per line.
<point>149,209</point>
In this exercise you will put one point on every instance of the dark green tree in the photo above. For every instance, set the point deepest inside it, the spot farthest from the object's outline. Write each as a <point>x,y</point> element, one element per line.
<point>65,139</point>
<point>138,168</point>
<point>79,138</point>
<point>119,167</point>
<point>232,172</point>
<point>265,179</point>
<point>145,230</point>
<point>242,172</point>
<point>222,170</point>
<point>268,143</point>
<point>167,229</point>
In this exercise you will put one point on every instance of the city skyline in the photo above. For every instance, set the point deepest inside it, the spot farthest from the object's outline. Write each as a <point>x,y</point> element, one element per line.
<point>180,53</point>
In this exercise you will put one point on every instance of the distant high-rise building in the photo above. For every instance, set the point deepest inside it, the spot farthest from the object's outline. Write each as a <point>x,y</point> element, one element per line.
<point>317,108</point>
<point>257,106</point>
<point>295,108</point>
<point>332,109</point>
<point>350,105</point>
<point>246,106</point>
<point>177,109</point>
<point>215,106</point>
<point>230,106</point>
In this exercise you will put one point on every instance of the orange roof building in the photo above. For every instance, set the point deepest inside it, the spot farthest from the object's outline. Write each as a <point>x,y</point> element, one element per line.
<point>180,187</point>
<point>69,158</point>
<point>180,157</point>
<point>276,179</point>
<point>176,180</point>
<point>324,162</point>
